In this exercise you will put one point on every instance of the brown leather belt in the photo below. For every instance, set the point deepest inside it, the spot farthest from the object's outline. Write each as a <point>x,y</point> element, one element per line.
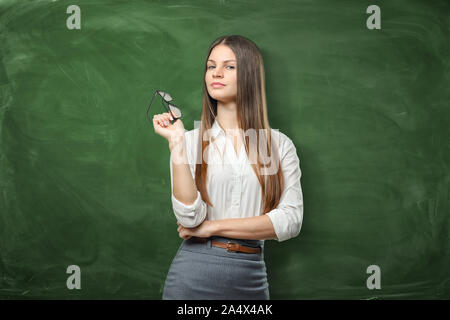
<point>232,246</point>
<point>229,245</point>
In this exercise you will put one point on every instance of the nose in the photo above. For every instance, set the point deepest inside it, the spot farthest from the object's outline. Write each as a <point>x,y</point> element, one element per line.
<point>218,72</point>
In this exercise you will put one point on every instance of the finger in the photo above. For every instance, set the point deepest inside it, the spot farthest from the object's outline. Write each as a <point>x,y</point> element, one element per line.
<point>156,124</point>
<point>166,119</point>
<point>157,116</point>
<point>160,121</point>
<point>169,116</point>
<point>156,119</point>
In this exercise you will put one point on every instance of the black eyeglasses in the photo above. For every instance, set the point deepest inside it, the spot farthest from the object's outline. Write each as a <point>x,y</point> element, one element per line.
<point>171,108</point>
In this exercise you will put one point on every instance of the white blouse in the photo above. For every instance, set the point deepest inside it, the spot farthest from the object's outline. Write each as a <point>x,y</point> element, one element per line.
<point>233,186</point>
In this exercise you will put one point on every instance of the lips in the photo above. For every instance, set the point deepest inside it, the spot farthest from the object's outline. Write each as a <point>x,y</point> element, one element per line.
<point>217,85</point>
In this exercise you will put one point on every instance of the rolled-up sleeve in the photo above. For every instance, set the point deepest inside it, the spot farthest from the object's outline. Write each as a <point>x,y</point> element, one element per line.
<point>189,215</point>
<point>287,217</point>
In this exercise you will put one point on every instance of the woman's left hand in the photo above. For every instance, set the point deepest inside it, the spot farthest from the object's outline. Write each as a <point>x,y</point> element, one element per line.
<point>204,230</point>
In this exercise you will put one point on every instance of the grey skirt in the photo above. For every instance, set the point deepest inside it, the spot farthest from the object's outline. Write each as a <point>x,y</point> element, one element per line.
<point>200,271</point>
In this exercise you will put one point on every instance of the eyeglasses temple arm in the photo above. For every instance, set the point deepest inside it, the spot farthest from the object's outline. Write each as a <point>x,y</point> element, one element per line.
<point>151,104</point>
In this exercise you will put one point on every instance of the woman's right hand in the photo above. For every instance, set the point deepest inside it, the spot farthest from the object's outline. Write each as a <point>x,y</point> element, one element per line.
<point>163,127</point>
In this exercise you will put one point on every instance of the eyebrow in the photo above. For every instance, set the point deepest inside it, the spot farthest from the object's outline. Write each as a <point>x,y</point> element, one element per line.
<point>223,61</point>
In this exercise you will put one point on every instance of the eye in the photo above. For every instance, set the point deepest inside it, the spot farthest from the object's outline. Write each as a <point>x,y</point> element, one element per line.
<point>231,67</point>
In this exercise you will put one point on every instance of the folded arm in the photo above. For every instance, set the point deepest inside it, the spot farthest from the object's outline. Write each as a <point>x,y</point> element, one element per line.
<point>254,228</point>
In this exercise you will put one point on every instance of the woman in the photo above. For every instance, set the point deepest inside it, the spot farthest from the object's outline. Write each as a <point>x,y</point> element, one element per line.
<point>235,181</point>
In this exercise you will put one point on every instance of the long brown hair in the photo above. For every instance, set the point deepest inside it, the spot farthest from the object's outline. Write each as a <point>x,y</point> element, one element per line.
<point>251,114</point>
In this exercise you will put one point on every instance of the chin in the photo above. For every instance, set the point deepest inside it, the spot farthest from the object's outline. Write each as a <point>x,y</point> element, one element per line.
<point>221,97</point>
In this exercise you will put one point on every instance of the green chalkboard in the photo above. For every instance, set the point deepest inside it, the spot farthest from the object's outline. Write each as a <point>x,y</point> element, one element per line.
<point>85,181</point>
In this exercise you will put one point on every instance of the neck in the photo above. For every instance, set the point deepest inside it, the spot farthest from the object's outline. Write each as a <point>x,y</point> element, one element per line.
<point>227,115</point>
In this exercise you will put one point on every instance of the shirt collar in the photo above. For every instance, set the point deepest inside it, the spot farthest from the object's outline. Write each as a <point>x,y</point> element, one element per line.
<point>216,129</point>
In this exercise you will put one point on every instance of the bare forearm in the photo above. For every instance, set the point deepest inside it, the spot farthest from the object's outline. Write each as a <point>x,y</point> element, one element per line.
<point>184,188</point>
<point>255,228</point>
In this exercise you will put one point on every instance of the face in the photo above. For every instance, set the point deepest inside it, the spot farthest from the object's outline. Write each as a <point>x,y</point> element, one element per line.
<point>221,68</point>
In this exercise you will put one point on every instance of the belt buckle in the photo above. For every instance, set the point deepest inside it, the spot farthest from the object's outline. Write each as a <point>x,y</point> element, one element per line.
<point>229,244</point>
